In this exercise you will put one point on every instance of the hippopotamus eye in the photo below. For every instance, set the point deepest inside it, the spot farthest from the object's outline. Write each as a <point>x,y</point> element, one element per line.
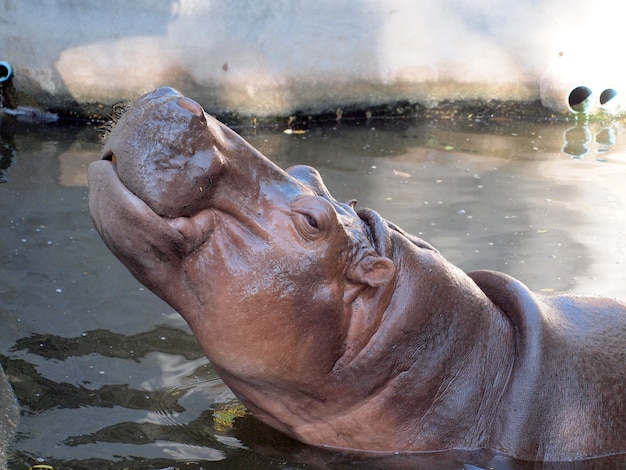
<point>312,222</point>
<point>307,225</point>
<point>311,216</point>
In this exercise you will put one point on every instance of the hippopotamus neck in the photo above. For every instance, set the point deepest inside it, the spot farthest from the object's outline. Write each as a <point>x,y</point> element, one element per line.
<point>522,308</point>
<point>457,352</point>
<point>548,380</point>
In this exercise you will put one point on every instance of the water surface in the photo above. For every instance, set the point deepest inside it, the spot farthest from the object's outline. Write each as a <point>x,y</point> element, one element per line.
<point>108,376</point>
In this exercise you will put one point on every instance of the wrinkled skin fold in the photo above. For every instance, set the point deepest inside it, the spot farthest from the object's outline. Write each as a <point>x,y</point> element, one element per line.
<point>335,326</point>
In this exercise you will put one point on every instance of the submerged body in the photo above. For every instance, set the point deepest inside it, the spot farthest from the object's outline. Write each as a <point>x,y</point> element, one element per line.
<point>335,326</point>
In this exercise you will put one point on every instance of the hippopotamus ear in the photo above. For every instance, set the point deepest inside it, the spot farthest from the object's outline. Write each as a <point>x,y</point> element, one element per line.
<point>374,271</point>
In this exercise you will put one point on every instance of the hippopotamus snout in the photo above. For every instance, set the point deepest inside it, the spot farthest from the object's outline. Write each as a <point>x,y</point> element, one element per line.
<point>166,144</point>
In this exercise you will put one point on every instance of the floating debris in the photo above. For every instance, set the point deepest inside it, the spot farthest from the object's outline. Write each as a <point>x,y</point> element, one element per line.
<point>225,415</point>
<point>402,174</point>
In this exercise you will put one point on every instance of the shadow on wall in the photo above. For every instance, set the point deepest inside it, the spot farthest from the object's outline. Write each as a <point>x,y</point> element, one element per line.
<point>35,43</point>
<point>241,55</point>
<point>249,56</point>
<point>275,57</point>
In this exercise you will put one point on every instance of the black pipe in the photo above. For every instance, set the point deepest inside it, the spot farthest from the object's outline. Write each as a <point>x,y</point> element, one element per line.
<point>6,72</point>
<point>580,100</point>
<point>609,99</point>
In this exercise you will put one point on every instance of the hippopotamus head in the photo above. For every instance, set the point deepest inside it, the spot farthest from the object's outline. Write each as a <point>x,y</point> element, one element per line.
<point>329,323</point>
<point>293,295</point>
<point>241,248</point>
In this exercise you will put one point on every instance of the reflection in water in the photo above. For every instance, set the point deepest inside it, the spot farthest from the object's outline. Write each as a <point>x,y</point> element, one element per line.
<point>7,152</point>
<point>106,343</point>
<point>174,418</point>
<point>577,140</point>
<point>605,140</point>
<point>109,377</point>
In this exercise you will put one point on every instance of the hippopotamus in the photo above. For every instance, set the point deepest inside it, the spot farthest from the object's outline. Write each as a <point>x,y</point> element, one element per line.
<point>334,325</point>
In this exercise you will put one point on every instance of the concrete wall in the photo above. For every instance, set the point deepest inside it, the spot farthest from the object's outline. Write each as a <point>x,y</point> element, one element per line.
<point>275,57</point>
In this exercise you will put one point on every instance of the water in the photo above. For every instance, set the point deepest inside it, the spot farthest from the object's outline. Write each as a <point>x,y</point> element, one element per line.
<point>109,376</point>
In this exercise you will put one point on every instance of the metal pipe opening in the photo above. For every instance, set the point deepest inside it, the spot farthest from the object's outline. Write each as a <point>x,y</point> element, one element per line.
<point>6,71</point>
<point>609,99</point>
<point>580,100</point>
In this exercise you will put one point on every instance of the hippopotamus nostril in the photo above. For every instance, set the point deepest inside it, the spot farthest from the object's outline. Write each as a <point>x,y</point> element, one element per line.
<point>110,156</point>
<point>190,106</point>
